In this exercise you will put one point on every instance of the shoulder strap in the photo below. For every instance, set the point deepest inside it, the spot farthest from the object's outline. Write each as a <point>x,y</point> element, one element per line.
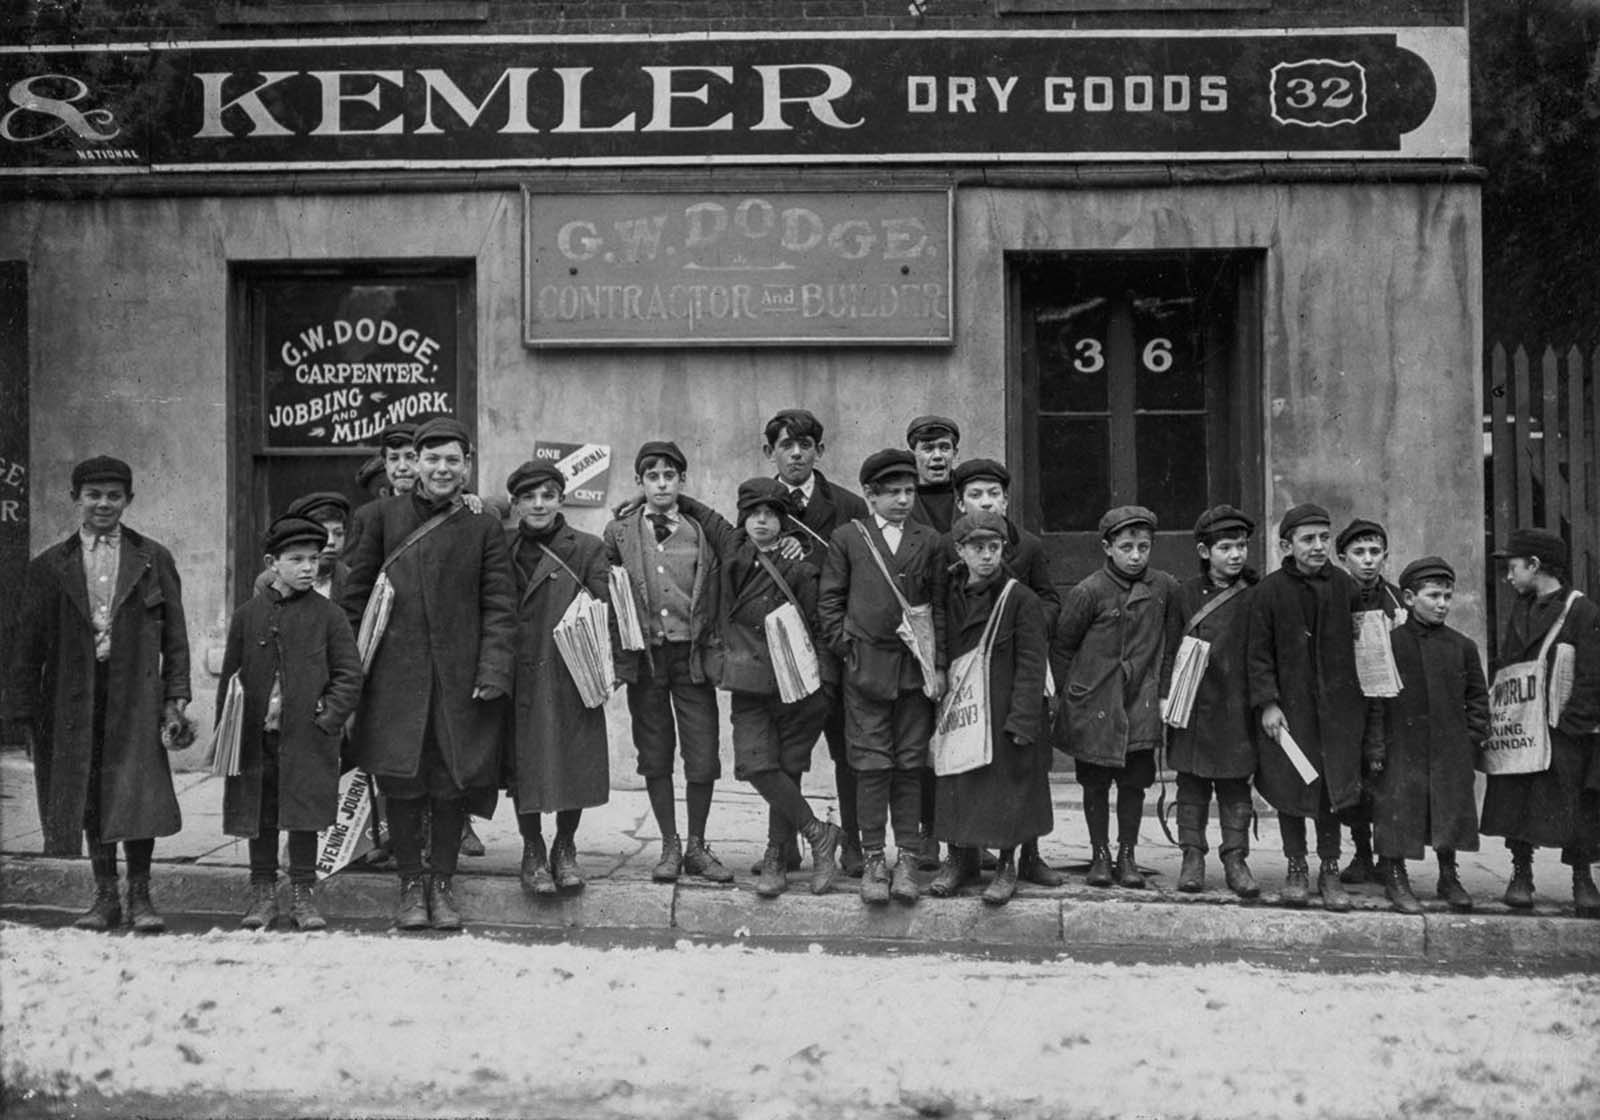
<point>777,578</point>
<point>993,624</point>
<point>1212,604</point>
<point>546,550</point>
<point>882,567</point>
<point>1551,634</point>
<point>421,531</point>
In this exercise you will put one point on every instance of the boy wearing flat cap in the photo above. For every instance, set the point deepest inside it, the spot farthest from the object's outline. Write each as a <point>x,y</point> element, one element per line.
<point>98,682</point>
<point>1005,803</point>
<point>1215,751</point>
<point>935,441</point>
<point>1106,655</point>
<point>1427,742</point>
<point>331,510</point>
<point>297,664</point>
<point>887,694</point>
<point>1559,806</point>
<point>1301,665</point>
<point>430,723</point>
<point>560,762</point>
<point>675,577</point>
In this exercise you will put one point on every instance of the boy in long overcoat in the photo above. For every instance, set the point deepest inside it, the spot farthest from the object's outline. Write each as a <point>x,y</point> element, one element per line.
<point>888,698</point>
<point>560,762</point>
<point>99,679</point>
<point>431,719</point>
<point>1558,807</point>
<point>1106,655</point>
<point>301,675</point>
<point>1301,664</point>
<point>1427,741</point>
<point>792,441</point>
<point>1216,751</point>
<point>1006,803</point>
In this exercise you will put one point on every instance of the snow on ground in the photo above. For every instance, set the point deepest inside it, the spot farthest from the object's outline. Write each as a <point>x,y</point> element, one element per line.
<point>343,1023</point>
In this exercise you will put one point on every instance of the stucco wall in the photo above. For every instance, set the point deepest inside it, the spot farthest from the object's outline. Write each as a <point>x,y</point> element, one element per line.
<point>1371,354</point>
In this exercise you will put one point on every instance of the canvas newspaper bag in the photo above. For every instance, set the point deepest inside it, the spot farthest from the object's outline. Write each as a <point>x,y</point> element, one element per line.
<point>962,738</point>
<point>1522,710</point>
<point>916,623</point>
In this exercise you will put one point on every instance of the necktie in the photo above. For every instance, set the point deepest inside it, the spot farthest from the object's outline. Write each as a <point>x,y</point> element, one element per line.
<point>798,497</point>
<point>662,525</point>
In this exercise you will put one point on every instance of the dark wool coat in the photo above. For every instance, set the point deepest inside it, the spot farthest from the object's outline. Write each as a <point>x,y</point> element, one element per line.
<point>831,505</point>
<point>1106,656</point>
<point>307,639</point>
<point>858,612</point>
<point>1006,802</point>
<point>1549,809</point>
<point>935,506</point>
<point>1314,683</point>
<point>1024,559</point>
<point>51,685</point>
<point>629,541</point>
<point>559,756</point>
<point>1220,739</point>
<point>452,629</point>
<point>1428,739</point>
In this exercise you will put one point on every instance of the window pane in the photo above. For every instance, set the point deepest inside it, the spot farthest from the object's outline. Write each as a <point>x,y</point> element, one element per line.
<point>1170,365</point>
<point>1071,344</point>
<point>1174,477</point>
<point>1074,472</point>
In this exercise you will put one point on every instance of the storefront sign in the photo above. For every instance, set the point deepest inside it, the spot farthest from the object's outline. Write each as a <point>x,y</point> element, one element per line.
<point>854,267</point>
<point>14,442</point>
<point>585,466</point>
<point>342,359</point>
<point>736,98</point>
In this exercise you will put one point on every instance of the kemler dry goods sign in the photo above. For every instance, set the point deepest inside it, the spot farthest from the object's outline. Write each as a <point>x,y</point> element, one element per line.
<point>735,98</point>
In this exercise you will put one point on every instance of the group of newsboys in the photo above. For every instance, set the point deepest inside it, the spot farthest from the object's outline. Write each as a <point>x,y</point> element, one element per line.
<point>924,586</point>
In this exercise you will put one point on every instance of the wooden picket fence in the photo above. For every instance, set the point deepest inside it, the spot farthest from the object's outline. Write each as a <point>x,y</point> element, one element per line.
<point>1544,455</point>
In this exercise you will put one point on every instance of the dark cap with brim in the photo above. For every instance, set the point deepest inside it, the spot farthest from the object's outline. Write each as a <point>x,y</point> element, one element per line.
<point>888,463</point>
<point>1306,513</point>
<point>1540,544</point>
<point>1126,517</point>
<point>660,449</point>
<point>442,429</point>
<point>1357,529</point>
<point>1223,519</point>
<point>102,468</point>
<point>755,492</point>
<point>286,531</point>
<point>398,435</point>
<point>369,472</point>
<point>977,525</point>
<point>534,473</point>
<point>1429,567</point>
<point>324,505</point>
<point>972,470</point>
<point>932,427</point>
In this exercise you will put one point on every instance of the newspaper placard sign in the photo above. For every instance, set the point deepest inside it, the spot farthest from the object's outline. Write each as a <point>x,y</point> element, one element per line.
<point>348,836</point>
<point>584,465</point>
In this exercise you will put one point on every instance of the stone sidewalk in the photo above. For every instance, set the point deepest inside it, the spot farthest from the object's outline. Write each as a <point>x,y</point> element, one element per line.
<point>202,871</point>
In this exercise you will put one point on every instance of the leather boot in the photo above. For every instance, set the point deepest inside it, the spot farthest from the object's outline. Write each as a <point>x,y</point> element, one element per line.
<point>1397,887</point>
<point>142,914</point>
<point>774,879</point>
<point>1519,892</point>
<point>1235,819</point>
<point>1361,868</point>
<point>875,879</point>
<point>791,857</point>
<point>851,860</point>
<point>1099,874</point>
<point>1450,888</point>
<point>823,838</point>
<point>958,869</point>
<point>1335,899</point>
<point>263,910</point>
<point>471,845</point>
<point>1031,867</point>
<point>1237,874</point>
<point>564,865</point>
<point>927,857</point>
<point>1002,886</point>
<point>1192,876</point>
<point>904,886</point>
<point>442,903</point>
<point>303,910</point>
<point>534,872</point>
<point>1297,883</point>
<point>698,860</point>
<point>1585,897</point>
<point>670,865</point>
<point>1126,872</point>
<point>412,912</point>
<point>105,912</point>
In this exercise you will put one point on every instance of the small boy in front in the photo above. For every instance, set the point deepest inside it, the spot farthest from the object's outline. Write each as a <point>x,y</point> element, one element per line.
<point>889,700</point>
<point>1425,750</point>
<point>1106,656</point>
<point>297,663</point>
<point>674,574</point>
<point>1362,547</point>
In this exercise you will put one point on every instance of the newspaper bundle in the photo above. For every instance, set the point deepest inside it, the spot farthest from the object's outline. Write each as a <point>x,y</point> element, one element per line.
<point>794,658</point>
<point>225,739</point>
<point>1375,667</point>
<point>583,638</point>
<point>1194,654</point>
<point>1302,764</point>
<point>628,628</point>
<point>1562,669</point>
<point>374,619</point>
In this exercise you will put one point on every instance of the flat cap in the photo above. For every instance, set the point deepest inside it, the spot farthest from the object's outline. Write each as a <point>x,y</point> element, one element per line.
<point>1223,519</point>
<point>979,523</point>
<point>1546,546</point>
<point>369,472</point>
<point>1429,567</point>
<point>887,463</point>
<point>442,429</point>
<point>974,469</point>
<point>324,505</point>
<point>534,473</point>
<point>1123,517</point>
<point>660,449</point>
<point>932,427</point>
<point>398,435</point>
<point>1306,513</point>
<point>1358,528</point>
<point>755,492</point>
<point>287,530</point>
<point>102,468</point>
